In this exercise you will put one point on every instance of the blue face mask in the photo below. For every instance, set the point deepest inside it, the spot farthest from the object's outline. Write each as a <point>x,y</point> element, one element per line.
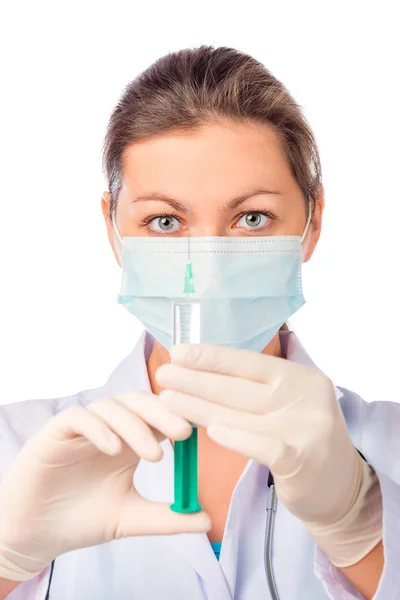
<point>247,286</point>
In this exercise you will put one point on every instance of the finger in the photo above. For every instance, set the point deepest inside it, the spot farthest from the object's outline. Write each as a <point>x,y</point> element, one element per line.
<point>78,421</point>
<point>243,364</point>
<point>266,450</point>
<point>225,390</point>
<point>204,413</point>
<point>143,517</point>
<point>129,427</point>
<point>147,406</point>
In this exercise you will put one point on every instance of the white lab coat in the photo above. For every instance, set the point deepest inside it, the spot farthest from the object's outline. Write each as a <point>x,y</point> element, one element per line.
<point>183,567</point>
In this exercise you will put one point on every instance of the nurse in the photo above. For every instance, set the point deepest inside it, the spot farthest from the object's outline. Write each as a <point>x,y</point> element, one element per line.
<point>87,480</point>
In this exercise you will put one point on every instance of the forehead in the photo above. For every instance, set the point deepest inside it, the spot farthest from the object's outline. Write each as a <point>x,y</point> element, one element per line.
<point>214,158</point>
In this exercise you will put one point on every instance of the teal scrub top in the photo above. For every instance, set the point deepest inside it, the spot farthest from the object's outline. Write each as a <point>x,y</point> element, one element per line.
<point>216,546</point>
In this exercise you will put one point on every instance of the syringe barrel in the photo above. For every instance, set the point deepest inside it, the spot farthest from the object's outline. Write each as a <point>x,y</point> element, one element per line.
<point>187,323</point>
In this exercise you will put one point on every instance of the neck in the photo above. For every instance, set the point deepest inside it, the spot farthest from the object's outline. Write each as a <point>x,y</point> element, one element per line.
<point>160,356</point>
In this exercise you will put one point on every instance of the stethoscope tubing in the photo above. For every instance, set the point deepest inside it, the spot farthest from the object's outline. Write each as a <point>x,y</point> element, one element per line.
<point>269,533</point>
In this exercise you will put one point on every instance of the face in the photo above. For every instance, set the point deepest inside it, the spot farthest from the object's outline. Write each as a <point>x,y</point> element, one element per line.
<point>224,180</point>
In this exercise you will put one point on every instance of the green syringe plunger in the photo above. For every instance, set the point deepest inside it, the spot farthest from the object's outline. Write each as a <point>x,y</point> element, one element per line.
<point>185,475</point>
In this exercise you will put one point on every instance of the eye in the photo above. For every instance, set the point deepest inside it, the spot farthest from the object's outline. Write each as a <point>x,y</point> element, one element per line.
<point>164,224</point>
<point>253,220</point>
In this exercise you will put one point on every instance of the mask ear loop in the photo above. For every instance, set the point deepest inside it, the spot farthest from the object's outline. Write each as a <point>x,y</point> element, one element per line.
<point>307,224</point>
<point>117,233</point>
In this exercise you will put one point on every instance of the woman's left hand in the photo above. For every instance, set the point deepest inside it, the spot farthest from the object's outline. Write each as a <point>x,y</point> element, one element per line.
<point>282,414</point>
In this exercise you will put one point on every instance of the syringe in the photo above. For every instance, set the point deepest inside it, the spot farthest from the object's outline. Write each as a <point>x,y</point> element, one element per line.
<point>187,322</point>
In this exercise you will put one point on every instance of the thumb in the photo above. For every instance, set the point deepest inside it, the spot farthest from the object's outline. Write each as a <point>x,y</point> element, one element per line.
<point>144,517</point>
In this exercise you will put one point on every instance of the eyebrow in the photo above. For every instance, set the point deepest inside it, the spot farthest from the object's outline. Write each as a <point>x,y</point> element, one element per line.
<point>178,206</point>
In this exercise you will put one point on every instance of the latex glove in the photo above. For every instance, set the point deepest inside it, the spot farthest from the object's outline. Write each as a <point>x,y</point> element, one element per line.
<point>285,416</point>
<point>71,486</point>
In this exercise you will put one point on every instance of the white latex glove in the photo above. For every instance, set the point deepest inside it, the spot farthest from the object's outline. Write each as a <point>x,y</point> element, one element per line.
<point>285,416</point>
<point>71,485</point>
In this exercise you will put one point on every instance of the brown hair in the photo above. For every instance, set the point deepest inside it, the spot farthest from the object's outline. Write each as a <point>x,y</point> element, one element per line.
<point>185,90</point>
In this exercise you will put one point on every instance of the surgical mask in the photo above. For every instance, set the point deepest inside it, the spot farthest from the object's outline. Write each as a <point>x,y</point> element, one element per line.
<point>247,286</point>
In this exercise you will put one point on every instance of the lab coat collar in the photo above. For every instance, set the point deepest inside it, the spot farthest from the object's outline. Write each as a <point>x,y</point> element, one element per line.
<point>293,350</point>
<point>130,374</point>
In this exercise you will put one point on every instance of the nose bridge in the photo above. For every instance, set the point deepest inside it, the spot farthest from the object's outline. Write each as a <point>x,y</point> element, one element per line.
<point>207,221</point>
<point>207,230</point>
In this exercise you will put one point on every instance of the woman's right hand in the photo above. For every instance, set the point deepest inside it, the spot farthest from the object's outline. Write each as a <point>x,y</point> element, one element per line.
<point>71,486</point>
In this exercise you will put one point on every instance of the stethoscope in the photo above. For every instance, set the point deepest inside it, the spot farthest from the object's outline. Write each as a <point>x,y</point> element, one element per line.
<point>269,533</point>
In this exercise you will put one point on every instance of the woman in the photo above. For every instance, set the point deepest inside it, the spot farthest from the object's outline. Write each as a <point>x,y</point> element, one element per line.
<point>205,144</point>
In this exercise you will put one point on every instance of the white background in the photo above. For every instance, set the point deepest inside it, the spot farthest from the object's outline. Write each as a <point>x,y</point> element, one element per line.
<point>63,67</point>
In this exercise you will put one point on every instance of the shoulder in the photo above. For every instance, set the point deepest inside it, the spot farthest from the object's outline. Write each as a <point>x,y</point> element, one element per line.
<point>373,414</point>
<point>376,426</point>
<point>21,420</point>
<point>25,418</point>
<point>381,417</point>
